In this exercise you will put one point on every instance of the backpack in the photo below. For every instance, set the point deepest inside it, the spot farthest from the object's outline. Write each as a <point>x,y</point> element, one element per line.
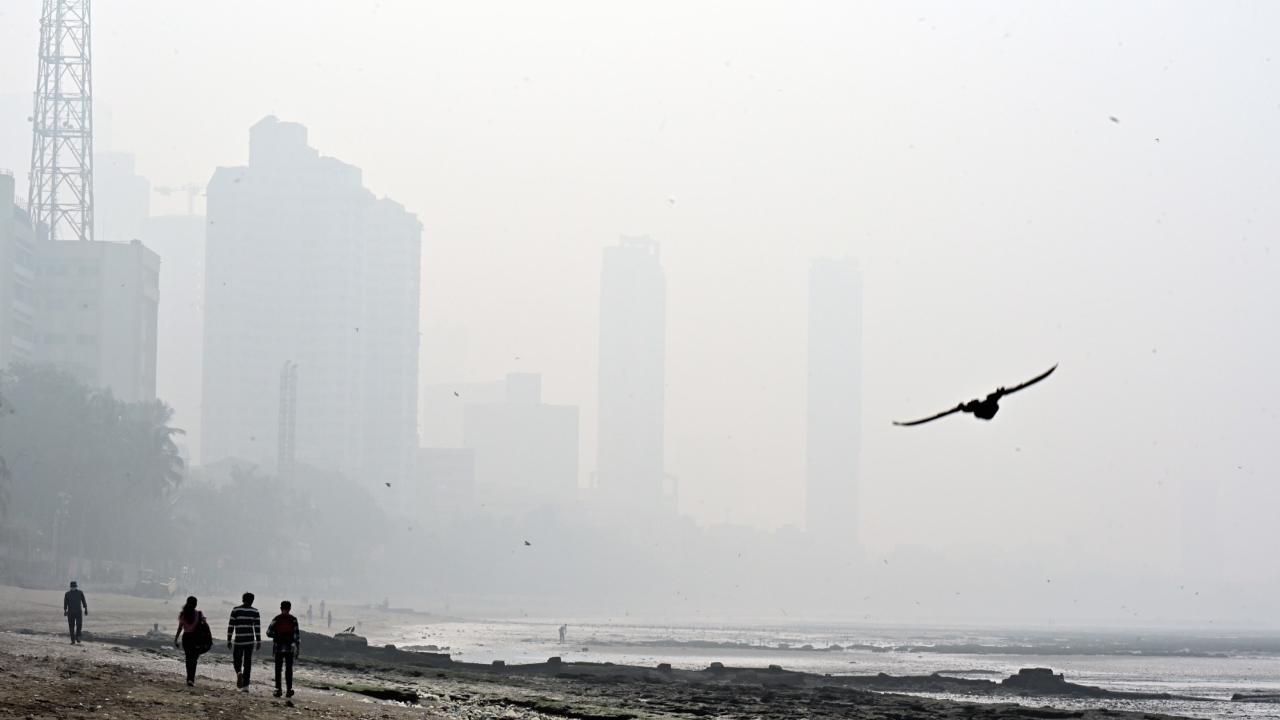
<point>203,640</point>
<point>286,625</point>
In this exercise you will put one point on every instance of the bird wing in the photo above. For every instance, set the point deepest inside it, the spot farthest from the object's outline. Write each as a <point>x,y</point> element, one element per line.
<point>1029,383</point>
<point>944,413</point>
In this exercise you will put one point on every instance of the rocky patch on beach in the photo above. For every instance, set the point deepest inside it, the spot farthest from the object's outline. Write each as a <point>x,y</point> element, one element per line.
<point>141,678</point>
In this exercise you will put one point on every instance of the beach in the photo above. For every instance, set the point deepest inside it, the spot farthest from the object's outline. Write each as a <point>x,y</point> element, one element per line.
<point>120,672</point>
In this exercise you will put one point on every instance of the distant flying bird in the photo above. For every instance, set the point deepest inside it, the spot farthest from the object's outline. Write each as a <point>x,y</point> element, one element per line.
<point>1114,119</point>
<point>985,408</point>
<point>455,394</point>
<point>526,542</point>
<point>387,484</point>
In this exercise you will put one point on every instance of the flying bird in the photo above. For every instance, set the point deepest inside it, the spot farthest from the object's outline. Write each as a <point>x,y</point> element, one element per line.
<point>387,484</point>
<point>985,408</point>
<point>527,543</point>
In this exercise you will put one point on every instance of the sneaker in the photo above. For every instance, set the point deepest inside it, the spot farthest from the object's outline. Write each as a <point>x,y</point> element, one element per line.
<point>276,693</point>
<point>290,693</point>
<point>244,688</point>
<point>239,680</point>
<point>191,683</point>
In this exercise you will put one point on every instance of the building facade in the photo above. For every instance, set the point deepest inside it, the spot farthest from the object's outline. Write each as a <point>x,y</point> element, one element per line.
<point>834,401</point>
<point>98,311</point>
<point>630,462</point>
<point>89,308</point>
<point>18,269</point>
<point>304,265</point>
<point>179,240</point>
<point>526,451</point>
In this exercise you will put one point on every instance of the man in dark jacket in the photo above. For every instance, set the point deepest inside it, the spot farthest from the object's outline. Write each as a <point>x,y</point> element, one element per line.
<point>287,642</point>
<point>73,603</point>
<point>244,635</point>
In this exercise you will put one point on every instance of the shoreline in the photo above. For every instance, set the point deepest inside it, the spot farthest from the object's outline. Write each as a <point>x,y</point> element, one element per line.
<point>119,649</point>
<point>41,677</point>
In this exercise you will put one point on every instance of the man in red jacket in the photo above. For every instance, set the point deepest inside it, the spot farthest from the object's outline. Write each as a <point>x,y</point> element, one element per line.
<point>286,639</point>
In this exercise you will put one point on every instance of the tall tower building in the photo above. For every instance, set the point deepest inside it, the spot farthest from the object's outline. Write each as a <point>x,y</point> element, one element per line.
<point>632,382</point>
<point>834,407</point>
<point>304,264</point>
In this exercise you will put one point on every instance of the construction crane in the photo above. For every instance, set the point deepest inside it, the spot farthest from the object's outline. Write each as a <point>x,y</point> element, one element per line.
<point>193,190</point>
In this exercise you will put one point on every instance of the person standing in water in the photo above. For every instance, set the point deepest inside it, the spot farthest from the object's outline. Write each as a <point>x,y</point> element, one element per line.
<point>193,630</point>
<point>286,644</point>
<point>564,630</point>
<point>73,603</point>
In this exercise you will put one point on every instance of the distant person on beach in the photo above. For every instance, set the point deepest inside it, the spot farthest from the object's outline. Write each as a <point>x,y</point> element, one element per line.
<point>244,635</point>
<point>286,644</point>
<point>330,621</point>
<point>73,603</point>
<point>322,608</point>
<point>308,615</point>
<point>564,630</point>
<point>196,637</point>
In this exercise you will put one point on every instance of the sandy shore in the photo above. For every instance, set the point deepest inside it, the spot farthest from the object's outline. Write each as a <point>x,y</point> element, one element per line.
<point>43,676</point>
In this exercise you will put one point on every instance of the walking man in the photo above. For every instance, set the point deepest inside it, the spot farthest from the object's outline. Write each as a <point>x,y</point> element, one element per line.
<point>244,635</point>
<point>73,603</point>
<point>286,644</point>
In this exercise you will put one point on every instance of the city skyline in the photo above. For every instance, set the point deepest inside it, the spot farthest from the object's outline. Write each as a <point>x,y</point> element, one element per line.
<point>976,197</point>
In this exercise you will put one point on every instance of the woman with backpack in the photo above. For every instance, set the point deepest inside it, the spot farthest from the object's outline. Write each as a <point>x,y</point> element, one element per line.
<point>196,636</point>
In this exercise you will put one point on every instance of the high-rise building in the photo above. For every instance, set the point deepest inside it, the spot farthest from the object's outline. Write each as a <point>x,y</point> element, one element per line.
<point>122,197</point>
<point>179,240</point>
<point>442,407</point>
<point>86,307</point>
<point>445,484</point>
<point>630,464</point>
<point>834,408</point>
<point>98,311</point>
<point>305,265</point>
<point>18,269</point>
<point>526,451</point>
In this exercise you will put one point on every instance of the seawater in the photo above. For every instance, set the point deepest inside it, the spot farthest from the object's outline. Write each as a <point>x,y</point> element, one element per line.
<point>528,641</point>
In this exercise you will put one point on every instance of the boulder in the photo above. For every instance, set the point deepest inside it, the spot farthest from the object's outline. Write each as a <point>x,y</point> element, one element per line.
<point>1042,680</point>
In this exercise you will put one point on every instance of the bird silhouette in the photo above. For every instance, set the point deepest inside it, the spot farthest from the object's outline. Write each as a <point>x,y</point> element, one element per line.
<point>985,408</point>
<point>527,543</point>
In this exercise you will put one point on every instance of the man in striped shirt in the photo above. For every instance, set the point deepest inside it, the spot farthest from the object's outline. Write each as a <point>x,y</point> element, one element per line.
<point>244,635</point>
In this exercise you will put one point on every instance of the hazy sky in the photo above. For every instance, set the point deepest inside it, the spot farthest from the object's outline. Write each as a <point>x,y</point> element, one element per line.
<point>962,152</point>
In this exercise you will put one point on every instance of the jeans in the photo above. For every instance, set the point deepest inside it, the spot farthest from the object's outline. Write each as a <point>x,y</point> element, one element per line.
<point>242,657</point>
<point>284,659</point>
<point>74,622</point>
<point>192,658</point>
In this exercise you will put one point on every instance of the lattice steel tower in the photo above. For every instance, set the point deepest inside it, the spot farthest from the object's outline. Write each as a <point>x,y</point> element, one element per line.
<point>61,192</point>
